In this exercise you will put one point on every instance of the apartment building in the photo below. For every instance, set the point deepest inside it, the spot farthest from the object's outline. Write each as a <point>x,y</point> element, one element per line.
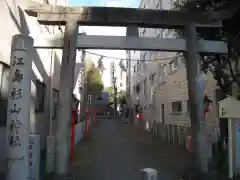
<point>132,78</point>
<point>161,83</point>
<point>45,74</point>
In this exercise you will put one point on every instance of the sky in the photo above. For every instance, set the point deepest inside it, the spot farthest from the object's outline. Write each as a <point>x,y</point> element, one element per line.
<point>111,31</point>
<point>112,3</point>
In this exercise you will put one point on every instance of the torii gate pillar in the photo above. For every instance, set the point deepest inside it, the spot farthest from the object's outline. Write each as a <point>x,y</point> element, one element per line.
<point>195,93</point>
<point>65,104</point>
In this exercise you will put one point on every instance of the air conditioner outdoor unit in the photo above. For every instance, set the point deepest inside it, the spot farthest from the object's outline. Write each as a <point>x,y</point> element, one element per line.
<point>149,174</point>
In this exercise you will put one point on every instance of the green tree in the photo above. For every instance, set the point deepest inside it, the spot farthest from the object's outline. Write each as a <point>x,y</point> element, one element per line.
<point>225,70</point>
<point>110,91</point>
<point>93,79</point>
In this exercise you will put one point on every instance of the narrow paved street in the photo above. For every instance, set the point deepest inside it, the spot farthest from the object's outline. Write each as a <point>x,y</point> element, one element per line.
<point>117,151</point>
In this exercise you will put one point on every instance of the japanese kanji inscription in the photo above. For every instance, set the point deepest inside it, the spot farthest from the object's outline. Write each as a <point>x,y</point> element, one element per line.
<point>16,94</point>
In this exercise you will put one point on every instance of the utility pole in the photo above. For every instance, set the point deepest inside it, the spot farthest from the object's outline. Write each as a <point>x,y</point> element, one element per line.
<point>132,31</point>
<point>19,103</point>
<point>82,84</point>
<point>65,100</point>
<point>85,104</point>
<point>115,100</point>
<point>114,88</point>
<point>200,160</point>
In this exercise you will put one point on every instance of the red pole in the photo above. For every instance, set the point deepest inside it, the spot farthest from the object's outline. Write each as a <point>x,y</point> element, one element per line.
<point>205,113</point>
<point>72,137</point>
<point>94,115</point>
<point>86,123</point>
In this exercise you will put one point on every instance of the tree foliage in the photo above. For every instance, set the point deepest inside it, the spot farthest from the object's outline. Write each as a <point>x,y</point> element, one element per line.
<point>100,64</point>
<point>93,79</point>
<point>122,66</point>
<point>225,69</point>
<point>110,91</point>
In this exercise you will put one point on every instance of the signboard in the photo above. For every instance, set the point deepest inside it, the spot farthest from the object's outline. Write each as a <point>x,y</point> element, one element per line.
<point>34,156</point>
<point>50,154</point>
<point>229,108</point>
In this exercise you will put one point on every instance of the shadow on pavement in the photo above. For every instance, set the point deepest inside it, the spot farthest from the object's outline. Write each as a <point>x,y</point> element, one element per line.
<point>117,151</point>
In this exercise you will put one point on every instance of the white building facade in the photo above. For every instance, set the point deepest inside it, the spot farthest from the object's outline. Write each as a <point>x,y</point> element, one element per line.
<point>160,78</point>
<point>153,68</point>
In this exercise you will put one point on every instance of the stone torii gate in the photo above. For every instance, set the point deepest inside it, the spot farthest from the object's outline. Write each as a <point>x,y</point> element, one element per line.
<point>72,17</point>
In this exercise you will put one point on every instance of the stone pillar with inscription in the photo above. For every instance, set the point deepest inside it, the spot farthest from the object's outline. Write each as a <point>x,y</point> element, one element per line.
<point>19,100</point>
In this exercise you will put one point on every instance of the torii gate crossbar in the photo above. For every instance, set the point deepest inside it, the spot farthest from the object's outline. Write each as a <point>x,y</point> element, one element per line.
<point>133,43</point>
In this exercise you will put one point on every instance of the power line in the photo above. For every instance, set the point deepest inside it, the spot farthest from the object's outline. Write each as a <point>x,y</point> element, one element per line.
<point>160,59</point>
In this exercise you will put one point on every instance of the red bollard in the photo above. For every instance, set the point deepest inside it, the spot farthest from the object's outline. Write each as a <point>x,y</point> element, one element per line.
<point>72,135</point>
<point>190,143</point>
<point>86,122</point>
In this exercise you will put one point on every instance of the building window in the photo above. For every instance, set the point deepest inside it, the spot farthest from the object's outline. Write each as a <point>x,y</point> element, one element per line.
<point>158,5</point>
<point>138,66</point>
<point>144,32</point>
<point>188,105</point>
<point>162,113</point>
<point>177,107</point>
<point>152,78</point>
<point>165,69</point>
<point>55,95</point>
<point>159,35</point>
<point>138,88</point>
<point>40,95</point>
<point>89,99</point>
<point>145,86</point>
<point>144,56</point>
<point>154,100</point>
<point>4,81</point>
<point>173,65</point>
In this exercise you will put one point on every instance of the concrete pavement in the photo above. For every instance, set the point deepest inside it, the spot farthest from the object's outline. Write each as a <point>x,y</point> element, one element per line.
<point>117,151</point>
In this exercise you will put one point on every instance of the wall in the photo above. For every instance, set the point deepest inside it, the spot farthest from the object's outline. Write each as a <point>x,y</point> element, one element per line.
<point>174,89</point>
<point>16,21</point>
